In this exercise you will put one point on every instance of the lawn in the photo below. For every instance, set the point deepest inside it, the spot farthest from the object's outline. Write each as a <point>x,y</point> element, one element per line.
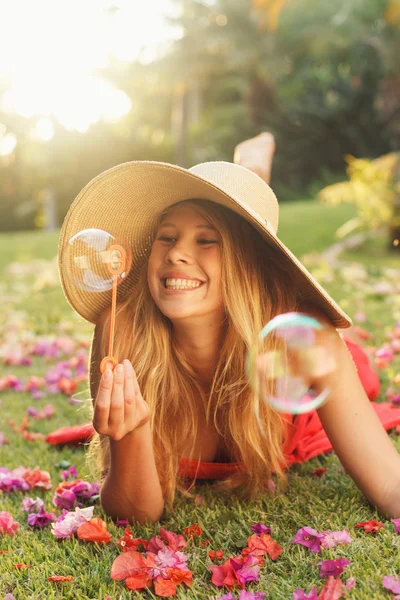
<point>34,308</point>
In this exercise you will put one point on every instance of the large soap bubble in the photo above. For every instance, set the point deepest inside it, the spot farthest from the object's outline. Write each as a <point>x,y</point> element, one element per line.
<point>291,354</point>
<point>94,259</point>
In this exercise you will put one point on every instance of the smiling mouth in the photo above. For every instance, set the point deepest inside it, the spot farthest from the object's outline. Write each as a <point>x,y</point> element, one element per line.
<point>182,284</point>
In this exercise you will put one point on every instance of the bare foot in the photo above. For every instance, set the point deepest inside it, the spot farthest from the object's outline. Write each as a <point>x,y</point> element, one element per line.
<point>256,154</point>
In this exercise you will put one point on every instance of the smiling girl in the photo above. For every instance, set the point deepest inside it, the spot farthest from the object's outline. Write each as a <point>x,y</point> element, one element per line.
<point>208,272</point>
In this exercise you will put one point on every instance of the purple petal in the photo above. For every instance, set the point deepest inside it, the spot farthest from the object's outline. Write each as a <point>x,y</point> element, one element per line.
<point>333,567</point>
<point>245,595</point>
<point>40,519</point>
<point>397,524</point>
<point>309,537</point>
<point>300,594</point>
<point>31,505</point>
<point>260,528</point>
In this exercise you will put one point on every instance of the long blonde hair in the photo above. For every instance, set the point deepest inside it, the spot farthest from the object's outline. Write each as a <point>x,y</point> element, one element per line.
<point>255,288</point>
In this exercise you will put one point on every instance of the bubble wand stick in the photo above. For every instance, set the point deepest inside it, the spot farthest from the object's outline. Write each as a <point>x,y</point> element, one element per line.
<point>116,261</point>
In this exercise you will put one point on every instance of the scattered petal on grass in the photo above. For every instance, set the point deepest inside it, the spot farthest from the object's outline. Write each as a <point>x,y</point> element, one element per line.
<point>258,545</point>
<point>167,558</point>
<point>31,505</point>
<point>350,583</point>
<point>40,519</point>
<point>122,523</point>
<point>37,478</point>
<point>174,540</point>
<point>71,472</point>
<point>138,582</point>
<point>397,524</point>
<point>129,564</point>
<point>247,571</point>
<point>94,531</point>
<point>60,578</point>
<point>223,575</point>
<point>193,531</point>
<point>9,597</point>
<point>309,537</point>
<point>20,566</point>
<point>260,528</point>
<point>66,525</point>
<point>333,567</point>
<point>370,526</point>
<point>391,583</point>
<point>300,594</point>
<point>180,576</point>
<point>319,472</point>
<point>164,587</point>
<point>245,595</point>
<point>332,590</point>
<point>216,554</point>
<point>127,542</point>
<point>335,538</point>
<point>7,523</point>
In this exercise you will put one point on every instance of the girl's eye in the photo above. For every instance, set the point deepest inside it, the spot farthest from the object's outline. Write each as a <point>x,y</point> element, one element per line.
<point>169,239</point>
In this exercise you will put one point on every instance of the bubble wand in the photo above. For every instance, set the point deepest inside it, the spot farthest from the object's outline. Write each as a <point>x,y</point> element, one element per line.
<point>116,265</point>
<point>91,257</point>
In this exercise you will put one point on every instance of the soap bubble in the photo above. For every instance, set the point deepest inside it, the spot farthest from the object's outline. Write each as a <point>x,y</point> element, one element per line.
<point>291,353</point>
<point>93,259</point>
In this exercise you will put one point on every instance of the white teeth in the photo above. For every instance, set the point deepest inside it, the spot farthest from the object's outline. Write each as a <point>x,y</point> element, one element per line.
<point>182,284</point>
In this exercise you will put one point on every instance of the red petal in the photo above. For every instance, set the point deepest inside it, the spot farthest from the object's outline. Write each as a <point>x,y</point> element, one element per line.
<point>128,564</point>
<point>318,472</point>
<point>164,587</point>
<point>370,526</point>
<point>94,531</point>
<point>193,531</point>
<point>60,578</point>
<point>180,576</point>
<point>263,544</point>
<point>273,549</point>
<point>138,582</point>
<point>20,566</point>
<point>223,574</point>
<point>332,590</point>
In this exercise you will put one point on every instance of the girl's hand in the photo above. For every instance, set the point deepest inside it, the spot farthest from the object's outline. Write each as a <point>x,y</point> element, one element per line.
<point>119,408</point>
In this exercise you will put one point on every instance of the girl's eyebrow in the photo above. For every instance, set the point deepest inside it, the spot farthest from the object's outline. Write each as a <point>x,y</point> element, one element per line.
<point>210,227</point>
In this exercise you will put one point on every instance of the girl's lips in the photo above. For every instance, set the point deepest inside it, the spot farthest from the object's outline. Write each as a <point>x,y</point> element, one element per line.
<point>170,292</point>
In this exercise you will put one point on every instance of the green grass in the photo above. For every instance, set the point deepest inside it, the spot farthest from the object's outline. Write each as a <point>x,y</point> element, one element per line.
<point>332,502</point>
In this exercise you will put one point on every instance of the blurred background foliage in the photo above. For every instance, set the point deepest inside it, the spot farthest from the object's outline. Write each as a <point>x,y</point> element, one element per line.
<point>322,76</point>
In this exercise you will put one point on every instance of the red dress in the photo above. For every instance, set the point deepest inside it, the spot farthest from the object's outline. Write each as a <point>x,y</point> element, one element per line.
<point>306,437</point>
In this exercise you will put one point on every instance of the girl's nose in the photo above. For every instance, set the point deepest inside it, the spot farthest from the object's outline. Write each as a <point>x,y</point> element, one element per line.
<point>179,254</point>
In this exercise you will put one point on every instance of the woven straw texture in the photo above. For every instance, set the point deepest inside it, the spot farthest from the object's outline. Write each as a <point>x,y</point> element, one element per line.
<point>126,200</point>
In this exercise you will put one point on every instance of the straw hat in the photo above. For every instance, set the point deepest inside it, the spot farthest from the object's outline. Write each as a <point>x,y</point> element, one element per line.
<point>125,201</point>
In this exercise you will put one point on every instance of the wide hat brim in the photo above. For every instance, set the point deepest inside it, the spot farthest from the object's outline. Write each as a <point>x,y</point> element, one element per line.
<point>126,201</point>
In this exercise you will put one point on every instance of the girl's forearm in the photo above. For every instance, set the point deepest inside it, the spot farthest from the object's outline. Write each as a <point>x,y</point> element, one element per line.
<point>132,489</point>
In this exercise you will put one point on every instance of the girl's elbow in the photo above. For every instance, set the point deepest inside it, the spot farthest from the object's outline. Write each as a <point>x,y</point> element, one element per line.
<point>126,510</point>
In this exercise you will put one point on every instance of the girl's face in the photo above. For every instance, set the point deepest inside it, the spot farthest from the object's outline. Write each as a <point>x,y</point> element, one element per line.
<point>184,269</point>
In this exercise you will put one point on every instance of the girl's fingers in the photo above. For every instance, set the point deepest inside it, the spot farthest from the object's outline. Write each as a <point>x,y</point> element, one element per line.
<point>103,401</point>
<point>116,417</point>
<point>129,390</point>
